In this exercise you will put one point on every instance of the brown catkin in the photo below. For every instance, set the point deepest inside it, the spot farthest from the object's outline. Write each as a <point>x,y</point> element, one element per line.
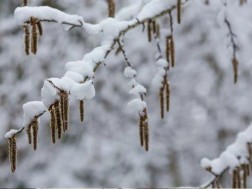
<point>244,175</point>
<point>141,130</point>
<point>248,169</point>
<point>161,98</point>
<point>34,38</point>
<point>29,134</point>
<point>146,131</point>
<point>149,30</point>
<point>82,109</point>
<point>12,152</point>
<point>235,69</point>
<point>168,49</point>
<point>179,11</point>
<point>27,39</point>
<point>40,29</point>
<point>66,104</point>
<point>58,119</point>
<point>25,2</point>
<point>172,49</point>
<point>158,30</point>
<point>234,179</point>
<point>53,123</point>
<point>167,95</point>
<point>62,110</point>
<point>35,134</point>
<point>153,27</point>
<point>111,8</point>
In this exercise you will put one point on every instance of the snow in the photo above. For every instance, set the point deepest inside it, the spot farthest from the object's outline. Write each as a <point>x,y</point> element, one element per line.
<point>23,14</point>
<point>129,72</point>
<point>11,133</point>
<point>49,94</point>
<point>136,106</point>
<point>75,76</point>
<point>84,68</point>
<point>138,90</point>
<point>83,91</point>
<point>31,110</point>
<point>234,155</point>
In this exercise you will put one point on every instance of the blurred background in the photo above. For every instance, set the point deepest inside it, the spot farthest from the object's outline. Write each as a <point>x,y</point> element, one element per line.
<point>207,109</point>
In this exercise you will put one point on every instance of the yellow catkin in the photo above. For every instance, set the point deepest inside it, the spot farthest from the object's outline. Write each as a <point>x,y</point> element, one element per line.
<point>12,152</point>
<point>82,109</point>
<point>25,2</point>
<point>40,29</point>
<point>149,30</point>
<point>167,95</point>
<point>27,39</point>
<point>34,38</point>
<point>235,64</point>
<point>111,8</point>
<point>53,124</point>
<point>35,134</point>
<point>29,134</point>
<point>179,11</point>
<point>58,119</point>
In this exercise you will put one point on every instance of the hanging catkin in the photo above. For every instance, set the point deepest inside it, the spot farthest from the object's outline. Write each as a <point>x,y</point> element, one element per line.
<point>58,119</point>
<point>141,130</point>
<point>179,11</point>
<point>149,30</point>
<point>29,133</point>
<point>25,2</point>
<point>81,109</point>
<point>235,64</point>
<point>167,95</point>
<point>26,39</point>
<point>161,98</point>
<point>40,29</point>
<point>34,38</point>
<point>53,123</point>
<point>34,127</point>
<point>172,49</point>
<point>62,110</point>
<point>12,152</point>
<point>66,111</point>
<point>111,8</point>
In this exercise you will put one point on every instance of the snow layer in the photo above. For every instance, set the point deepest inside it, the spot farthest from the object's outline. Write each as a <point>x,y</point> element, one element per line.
<point>11,133</point>
<point>129,72</point>
<point>136,106</point>
<point>31,110</point>
<point>84,90</point>
<point>23,14</point>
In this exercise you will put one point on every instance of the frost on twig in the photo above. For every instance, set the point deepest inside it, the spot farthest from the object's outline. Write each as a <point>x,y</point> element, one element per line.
<point>236,159</point>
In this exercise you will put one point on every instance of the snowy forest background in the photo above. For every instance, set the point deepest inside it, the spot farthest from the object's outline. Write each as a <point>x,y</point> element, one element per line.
<point>207,109</point>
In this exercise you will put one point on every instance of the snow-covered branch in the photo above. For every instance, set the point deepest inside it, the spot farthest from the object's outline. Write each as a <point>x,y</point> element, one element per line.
<point>236,159</point>
<point>77,80</point>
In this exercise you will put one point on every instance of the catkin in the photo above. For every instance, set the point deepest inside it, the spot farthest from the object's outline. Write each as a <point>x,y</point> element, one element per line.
<point>34,39</point>
<point>179,11</point>
<point>58,119</point>
<point>66,108</point>
<point>53,124</point>
<point>244,175</point>
<point>25,2</point>
<point>235,69</point>
<point>153,23</point>
<point>167,95</point>
<point>168,49</point>
<point>172,49</point>
<point>82,109</point>
<point>141,130</point>
<point>62,110</point>
<point>158,30</point>
<point>111,8</point>
<point>161,98</point>
<point>40,29</point>
<point>29,134</point>
<point>27,39</point>
<point>35,133</point>
<point>12,152</point>
<point>146,132</point>
<point>149,30</point>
